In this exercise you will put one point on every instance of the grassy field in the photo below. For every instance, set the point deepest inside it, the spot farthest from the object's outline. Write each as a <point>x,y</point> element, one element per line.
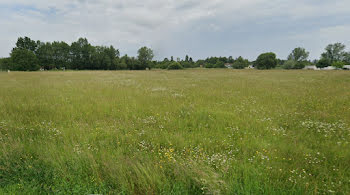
<point>175,132</point>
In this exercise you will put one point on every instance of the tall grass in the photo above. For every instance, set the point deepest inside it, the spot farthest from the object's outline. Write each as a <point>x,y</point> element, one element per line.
<point>175,132</point>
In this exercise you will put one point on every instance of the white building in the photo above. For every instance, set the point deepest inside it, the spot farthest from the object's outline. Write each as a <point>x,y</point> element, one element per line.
<point>329,68</point>
<point>347,67</point>
<point>311,68</point>
<point>228,65</point>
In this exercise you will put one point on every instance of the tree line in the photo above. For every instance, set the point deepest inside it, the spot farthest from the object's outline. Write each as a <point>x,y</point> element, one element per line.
<point>30,55</point>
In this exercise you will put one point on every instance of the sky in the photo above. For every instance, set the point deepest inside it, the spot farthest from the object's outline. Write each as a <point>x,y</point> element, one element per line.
<point>199,28</point>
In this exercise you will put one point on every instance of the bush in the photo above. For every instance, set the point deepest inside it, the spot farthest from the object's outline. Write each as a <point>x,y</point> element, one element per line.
<point>323,62</point>
<point>209,65</point>
<point>289,64</point>
<point>240,63</point>
<point>292,64</point>
<point>220,64</point>
<point>338,64</point>
<point>24,60</point>
<point>300,65</point>
<point>175,66</point>
<point>266,61</point>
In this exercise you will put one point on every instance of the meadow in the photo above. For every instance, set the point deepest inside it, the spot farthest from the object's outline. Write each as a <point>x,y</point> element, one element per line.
<point>199,131</point>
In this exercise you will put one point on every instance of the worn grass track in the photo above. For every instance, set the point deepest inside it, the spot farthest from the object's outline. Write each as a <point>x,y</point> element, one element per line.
<point>175,132</point>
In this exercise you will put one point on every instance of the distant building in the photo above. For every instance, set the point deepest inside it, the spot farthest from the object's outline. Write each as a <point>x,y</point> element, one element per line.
<point>311,68</point>
<point>329,68</point>
<point>228,65</point>
<point>250,67</point>
<point>346,67</point>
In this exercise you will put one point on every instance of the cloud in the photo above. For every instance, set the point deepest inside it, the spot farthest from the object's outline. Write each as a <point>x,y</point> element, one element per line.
<point>177,27</point>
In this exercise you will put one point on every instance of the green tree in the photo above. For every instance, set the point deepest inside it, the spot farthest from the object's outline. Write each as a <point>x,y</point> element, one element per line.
<point>266,61</point>
<point>5,63</point>
<point>347,57</point>
<point>219,64</point>
<point>298,54</point>
<point>323,62</point>
<point>24,60</point>
<point>81,54</point>
<point>187,58</point>
<point>338,64</point>
<point>334,52</point>
<point>26,43</point>
<point>240,63</point>
<point>145,55</point>
<point>174,66</point>
<point>45,56</point>
<point>289,64</point>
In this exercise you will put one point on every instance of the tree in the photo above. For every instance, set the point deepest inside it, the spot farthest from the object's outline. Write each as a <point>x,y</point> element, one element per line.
<point>266,61</point>
<point>240,63</point>
<point>347,57</point>
<point>323,62</point>
<point>290,64</point>
<point>219,64</point>
<point>45,54</point>
<point>81,53</point>
<point>230,59</point>
<point>26,43</point>
<point>186,58</point>
<point>5,63</point>
<point>145,55</point>
<point>24,60</point>
<point>334,52</point>
<point>298,54</point>
<point>174,66</point>
<point>338,64</point>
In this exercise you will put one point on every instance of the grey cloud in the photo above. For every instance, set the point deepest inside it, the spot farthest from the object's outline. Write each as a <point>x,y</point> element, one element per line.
<point>176,27</point>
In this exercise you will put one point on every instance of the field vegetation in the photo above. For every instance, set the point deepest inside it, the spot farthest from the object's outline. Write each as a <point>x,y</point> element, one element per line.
<point>196,131</point>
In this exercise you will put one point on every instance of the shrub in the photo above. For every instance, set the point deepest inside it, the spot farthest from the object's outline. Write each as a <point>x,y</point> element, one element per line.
<point>240,63</point>
<point>175,66</point>
<point>266,61</point>
<point>289,64</point>
<point>338,64</point>
<point>220,64</point>
<point>323,62</point>
<point>209,65</point>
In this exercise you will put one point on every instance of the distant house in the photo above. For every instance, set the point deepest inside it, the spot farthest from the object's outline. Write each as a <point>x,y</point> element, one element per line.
<point>250,67</point>
<point>228,65</point>
<point>329,68</point>
<point>346,67</point>
<point>311,68</point>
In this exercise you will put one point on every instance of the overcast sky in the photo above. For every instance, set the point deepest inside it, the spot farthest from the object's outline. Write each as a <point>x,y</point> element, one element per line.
<point>199,28</point>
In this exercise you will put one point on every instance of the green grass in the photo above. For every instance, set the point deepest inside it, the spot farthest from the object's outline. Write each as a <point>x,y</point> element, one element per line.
<point>175,132</point>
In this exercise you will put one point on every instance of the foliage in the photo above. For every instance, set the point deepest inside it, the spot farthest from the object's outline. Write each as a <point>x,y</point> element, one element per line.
<point>299,54</point>
<point>5,63</point>
<point>347,57</point>
<point>338,64</point>
<point>266,61</point>
<point>334,52</point>
<point>27,44</point>
<point>24,60</point>
<point>145,55</point>
<point>290,64</point>
<point>219,64</point>
<point>323,62</point>
<point>209,65</point>
<point>240,63</point>
<point>175,66</point>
